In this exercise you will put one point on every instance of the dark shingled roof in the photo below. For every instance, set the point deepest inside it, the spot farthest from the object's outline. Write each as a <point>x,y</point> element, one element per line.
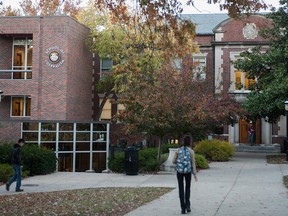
<point>205,23</point>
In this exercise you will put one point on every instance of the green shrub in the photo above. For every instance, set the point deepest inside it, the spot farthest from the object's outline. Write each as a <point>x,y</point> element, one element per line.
<point>148,161</point>
<point>38,160</point>
<point>117,163</point>
<point>6,172</point>
<point>215,150</point>
<point>201,162</point>
<point>165,147</point>
<point>5,152</point>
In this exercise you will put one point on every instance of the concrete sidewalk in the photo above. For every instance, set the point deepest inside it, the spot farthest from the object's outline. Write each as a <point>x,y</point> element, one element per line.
<point>246,185</point>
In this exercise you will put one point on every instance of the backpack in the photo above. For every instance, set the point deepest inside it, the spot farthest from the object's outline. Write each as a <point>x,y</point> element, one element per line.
<point>184,162</point>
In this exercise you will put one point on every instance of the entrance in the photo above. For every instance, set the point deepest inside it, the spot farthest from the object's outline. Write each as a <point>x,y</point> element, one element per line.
<point>243,131</point>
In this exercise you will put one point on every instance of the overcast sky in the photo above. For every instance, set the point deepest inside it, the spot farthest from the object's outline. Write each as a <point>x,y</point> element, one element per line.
<point>200,6</point>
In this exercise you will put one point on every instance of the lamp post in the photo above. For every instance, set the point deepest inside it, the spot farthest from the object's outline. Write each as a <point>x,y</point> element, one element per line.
<point>286,143</point>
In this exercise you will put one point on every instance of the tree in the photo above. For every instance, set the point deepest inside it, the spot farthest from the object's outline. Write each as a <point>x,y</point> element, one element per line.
<point>44,8</point>
<point>270,69</point>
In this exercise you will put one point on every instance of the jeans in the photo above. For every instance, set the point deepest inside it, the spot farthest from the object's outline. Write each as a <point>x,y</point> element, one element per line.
<point>184,195</point>
<point>251,138</point>
<point>17,176</point>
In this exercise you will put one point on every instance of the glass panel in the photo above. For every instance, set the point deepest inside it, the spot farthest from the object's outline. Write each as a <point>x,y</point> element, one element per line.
<point>51,146</point>
<point>99,146</point>
<point>65,162</point>
<point>30,136</point>
<point>248,82</point>
<point>19,55</point>
<point>30,126</point>
<point>17,106</point>
<point>48,126</point>
<point>99,137</point>
<point>29,55</point>
<point>82,146</point>
<point>106,65</point>
<point>66,126</point>
<point>82,136</point>
<point>65,136</point>
<point>83,127</point>
<point>238,82</point>
<point>28,107</point>
<point>48,136</point>
<point>65,146</point>
<point>82,162</point>
<point>99,127</point>
<point>99,162</point>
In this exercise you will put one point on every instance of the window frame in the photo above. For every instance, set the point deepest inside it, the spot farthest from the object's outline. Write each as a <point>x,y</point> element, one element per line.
<point>24,105</point>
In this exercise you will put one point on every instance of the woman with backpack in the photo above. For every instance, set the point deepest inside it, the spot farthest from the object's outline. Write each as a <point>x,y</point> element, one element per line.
<point>184,159</point>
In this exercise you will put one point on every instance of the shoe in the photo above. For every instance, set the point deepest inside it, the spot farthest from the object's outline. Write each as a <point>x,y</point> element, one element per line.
<point>188,210</point>
<point>7,186</point>
<point>19,190</point>
<point>183,212</point>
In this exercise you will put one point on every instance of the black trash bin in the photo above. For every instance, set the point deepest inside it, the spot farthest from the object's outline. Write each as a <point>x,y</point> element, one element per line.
<point>131,164</point>
<point>285,145</point>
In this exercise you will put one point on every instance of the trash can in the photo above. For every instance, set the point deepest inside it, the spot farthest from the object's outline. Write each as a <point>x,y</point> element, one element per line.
<point>285,146</point>
<point>131,164</point>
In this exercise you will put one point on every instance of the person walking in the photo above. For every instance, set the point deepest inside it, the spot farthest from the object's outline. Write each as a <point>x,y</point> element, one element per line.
<point>184,159</point>
<point>16,164</point>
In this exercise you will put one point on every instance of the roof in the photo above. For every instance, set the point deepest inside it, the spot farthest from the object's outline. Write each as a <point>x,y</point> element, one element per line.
<point>205,23</point>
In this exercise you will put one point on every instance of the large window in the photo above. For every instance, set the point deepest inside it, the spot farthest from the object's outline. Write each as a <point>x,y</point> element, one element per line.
<point>22,58</point>
<point>105,66</point>
<point>106,114</point>
<point>21,106</point>
<point>242,82</point>
<point>199,63</point>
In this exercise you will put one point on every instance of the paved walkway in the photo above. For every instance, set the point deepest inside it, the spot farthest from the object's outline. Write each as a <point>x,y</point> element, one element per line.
<point>244,186</point>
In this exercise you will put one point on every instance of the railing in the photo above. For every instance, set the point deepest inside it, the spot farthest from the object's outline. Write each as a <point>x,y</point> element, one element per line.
<point>15,74</point>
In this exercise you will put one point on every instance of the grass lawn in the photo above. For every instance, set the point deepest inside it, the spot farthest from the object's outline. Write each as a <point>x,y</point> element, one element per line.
<point>96,201</point>
<point>278,159</point>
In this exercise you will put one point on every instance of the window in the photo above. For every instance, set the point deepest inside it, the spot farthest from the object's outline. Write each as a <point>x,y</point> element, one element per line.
<point>105,66</point>
<point>22,58</point>
<point>199,63</point>
<point>21,106</point>
<point>242,81</point>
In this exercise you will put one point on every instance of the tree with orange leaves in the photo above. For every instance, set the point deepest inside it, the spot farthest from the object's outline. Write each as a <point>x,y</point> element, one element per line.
<point>44,8</point>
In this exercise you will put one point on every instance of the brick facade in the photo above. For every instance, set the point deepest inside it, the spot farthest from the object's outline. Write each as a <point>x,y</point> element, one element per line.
<point>58,92</point>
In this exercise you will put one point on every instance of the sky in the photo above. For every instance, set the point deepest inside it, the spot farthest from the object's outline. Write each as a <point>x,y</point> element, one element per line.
<point>201,6</point>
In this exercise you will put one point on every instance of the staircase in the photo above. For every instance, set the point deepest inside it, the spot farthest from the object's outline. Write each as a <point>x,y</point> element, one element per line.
<point>258,148</point>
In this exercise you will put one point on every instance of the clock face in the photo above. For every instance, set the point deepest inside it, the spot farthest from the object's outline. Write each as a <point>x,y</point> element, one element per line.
<point>54,56</point>
<point>250,31</point>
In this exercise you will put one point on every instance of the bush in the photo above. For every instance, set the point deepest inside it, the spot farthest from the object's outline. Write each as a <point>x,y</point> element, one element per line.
<point>6,172</point>
<point>215,150</point>
<point>148,161</point>
<point>201,162</point>
<point>5,152</point>
<point>117,163</point>
<point>38,160</point>
<point>165,147</point>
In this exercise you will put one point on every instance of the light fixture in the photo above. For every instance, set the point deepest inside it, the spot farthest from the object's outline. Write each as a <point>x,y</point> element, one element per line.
<point>286,105</point>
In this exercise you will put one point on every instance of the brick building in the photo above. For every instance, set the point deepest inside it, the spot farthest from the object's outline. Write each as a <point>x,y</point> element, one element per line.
<point>47,76</point>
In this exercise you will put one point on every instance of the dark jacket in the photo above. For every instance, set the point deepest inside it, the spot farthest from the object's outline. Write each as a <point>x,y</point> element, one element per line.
<point>15,154</point>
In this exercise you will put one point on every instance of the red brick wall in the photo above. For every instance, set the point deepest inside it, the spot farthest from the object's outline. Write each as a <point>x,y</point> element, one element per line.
<point>10,131</point>
<point>233,29</point>
<point>62,93</point>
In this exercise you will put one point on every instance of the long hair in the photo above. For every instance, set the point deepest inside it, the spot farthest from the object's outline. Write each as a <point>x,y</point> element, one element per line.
<point>187,141</point>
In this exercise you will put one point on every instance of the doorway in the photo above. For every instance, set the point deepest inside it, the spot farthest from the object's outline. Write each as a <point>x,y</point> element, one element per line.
<point>243,131</point>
